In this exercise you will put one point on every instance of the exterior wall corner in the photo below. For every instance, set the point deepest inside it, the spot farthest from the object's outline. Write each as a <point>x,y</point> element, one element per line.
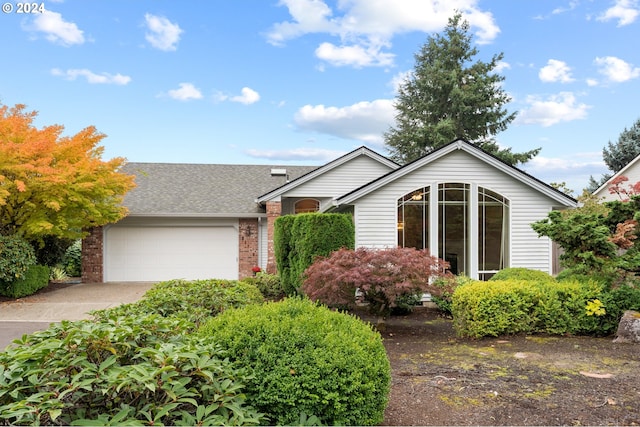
<point>93,256</point>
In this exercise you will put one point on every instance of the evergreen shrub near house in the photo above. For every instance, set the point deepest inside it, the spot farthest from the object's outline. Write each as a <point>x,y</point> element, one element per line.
<point>269,285</point>
<point>16,256</point>
<point>306,360</point>
<point>519,273</point>
<point>299,239</point>
<point>501,307</point>
<point>282,247</point>
<point>35,278</point>
<point>193,300</point>
<point>122,370</point>
<point>72,260</point>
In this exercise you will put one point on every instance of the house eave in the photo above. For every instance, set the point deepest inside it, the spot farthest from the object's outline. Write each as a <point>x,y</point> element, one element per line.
<point>561,198</point>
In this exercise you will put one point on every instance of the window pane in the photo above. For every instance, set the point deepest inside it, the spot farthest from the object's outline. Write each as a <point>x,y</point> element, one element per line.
<point>453,238</point>
<point>413,219</point>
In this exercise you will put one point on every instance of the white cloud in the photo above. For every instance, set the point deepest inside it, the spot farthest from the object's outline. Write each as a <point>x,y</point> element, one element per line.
<point>502,65</point>
<point>366,27</point>
<point>319,154</point>
<point>625,11</point>
<point>248,96</point>
<point>363,121</point>
<point>553,110</point>
<point>185,92</point>
<point>162,34</point>
<point>555,71</point>
<point>574,170</point>
<point>617,70</point>
<point>56,29</point>
<point>93,78</point>
<point>355,55</point>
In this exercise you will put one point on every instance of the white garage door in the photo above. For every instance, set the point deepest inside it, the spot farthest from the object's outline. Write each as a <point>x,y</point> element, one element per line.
<point>162,253</point>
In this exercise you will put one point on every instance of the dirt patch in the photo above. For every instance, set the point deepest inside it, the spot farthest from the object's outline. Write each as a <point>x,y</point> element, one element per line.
<point>439,379</point>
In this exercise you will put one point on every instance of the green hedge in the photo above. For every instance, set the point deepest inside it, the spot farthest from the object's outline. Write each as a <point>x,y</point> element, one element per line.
<point>299,239</point>
<point>35,278</point>
<point>123,370</point>
<point>282,247</point>
<point>500,307</point>
<point>519,273</point>
<point>194,300</point>
<point>16,256</point>
<point>306,359</point>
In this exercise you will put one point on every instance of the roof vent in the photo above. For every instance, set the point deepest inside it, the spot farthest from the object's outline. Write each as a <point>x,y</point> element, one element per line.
<point>278,172</point>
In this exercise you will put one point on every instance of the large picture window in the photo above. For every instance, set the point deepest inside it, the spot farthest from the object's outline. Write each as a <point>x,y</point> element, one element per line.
<point>464,224</point>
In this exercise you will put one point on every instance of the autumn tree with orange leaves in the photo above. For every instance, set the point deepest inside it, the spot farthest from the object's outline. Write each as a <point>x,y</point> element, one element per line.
<point>53,185</point>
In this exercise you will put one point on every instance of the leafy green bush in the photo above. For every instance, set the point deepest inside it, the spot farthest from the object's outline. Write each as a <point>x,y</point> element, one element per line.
<point>300,238</point>
<point>305,358</point>
<point>519,273</point>
<point>73,259</point>
<point>143,370</point>
<point>615,302</point>
<point>445,286</point>
<point>269,285</point>
<point>16,256</point>
<point>195,300</point>
<point>282,247</point>
<point>35,278</point>
<point>500,307</point>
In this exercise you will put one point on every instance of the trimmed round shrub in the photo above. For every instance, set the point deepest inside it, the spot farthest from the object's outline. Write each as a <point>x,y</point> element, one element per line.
<point>16,256</point>
<point>306,359</point>
<point>519,273</point>
<point>193,300</point>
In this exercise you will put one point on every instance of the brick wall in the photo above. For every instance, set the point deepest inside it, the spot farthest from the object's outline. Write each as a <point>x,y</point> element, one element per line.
<point>274,210</point>
<point>92,256</point>
<point>248,246</point>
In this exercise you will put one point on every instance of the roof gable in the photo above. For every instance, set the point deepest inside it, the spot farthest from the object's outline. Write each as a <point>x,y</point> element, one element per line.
<point>328,167</point>
<point>471,149</point>
<point>631,166</point>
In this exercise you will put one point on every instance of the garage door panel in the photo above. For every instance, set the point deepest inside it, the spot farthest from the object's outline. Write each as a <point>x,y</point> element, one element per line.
<point>164,253</point>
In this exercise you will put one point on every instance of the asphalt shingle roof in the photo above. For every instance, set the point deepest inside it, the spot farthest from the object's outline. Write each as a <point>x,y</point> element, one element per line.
<point>202,189</point>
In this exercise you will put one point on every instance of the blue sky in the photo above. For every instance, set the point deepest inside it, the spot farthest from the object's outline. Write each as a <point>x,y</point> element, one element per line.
<point>304,81</point>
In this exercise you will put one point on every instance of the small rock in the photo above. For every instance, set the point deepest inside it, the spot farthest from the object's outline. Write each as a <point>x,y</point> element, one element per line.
<point>629,328</point>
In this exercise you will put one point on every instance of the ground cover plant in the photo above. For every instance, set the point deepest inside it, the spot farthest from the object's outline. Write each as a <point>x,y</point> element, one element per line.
<point>306,360</point>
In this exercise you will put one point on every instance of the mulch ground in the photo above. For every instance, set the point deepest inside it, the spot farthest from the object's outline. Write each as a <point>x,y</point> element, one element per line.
<point>440,379</point>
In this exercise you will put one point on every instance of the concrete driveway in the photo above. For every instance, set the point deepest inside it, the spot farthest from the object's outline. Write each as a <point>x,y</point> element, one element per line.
<point>70,302</point>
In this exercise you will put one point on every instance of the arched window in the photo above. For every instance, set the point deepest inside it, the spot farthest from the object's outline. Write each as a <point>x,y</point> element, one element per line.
<point>464,224</point>
<point>493,233</point>
<point>306,205</point>
<point>413,219</point>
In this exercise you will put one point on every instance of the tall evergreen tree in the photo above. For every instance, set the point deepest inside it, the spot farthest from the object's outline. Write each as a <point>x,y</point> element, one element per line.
<point>620,154</point>
<point>448,96</point>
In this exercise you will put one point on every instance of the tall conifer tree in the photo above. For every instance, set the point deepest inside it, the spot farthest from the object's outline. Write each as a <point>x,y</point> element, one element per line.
<point>449,96</point>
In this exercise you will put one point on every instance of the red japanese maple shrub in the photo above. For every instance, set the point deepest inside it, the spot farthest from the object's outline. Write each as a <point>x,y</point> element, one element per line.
<point>381,276</point>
